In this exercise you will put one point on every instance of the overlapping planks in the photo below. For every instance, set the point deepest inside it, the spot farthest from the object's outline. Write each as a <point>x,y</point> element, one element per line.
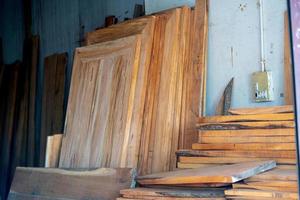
<point>241,138</point>
<point>146,92</point>
<point>276,183</point>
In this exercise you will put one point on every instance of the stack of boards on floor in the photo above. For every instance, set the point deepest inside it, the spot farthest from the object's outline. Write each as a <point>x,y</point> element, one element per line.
<point>278,183</point>
<point>248,135</point>
<point>136,89</point>
<point>202,183</point>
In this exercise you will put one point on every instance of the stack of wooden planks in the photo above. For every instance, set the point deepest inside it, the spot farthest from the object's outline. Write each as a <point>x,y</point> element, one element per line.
<point>277,183</point>
<point>203,184</point>
<point>136,89</point>
<point>243,137</point>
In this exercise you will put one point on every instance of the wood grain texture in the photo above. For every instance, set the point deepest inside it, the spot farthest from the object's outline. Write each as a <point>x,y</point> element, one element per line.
<point>240,140</point>
<point>194,92</point>
<point>53,151</point>
<point>219,174</point>
<point>249,146</point>
<point>248,133</point>
<point>288,74</point>
<point>103,184</point>
<point>276,175</point>
<point>262,110</point>
<point>173,193</point>
<point>247,118</point>
<point>268,188</point>
<point>258,193</point>
<point>246,125</point>
<point>53,100</point>
<point>104,80</point>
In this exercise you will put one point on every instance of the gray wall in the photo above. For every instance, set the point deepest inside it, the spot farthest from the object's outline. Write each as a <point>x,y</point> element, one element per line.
<point>234,47</point>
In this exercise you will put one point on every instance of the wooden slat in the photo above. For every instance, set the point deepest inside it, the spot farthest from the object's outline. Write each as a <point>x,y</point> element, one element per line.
<point>249,146</point>
<point>258,193</point>
<point>165,198</point>
<point>248,118</point>
<point>288,74</point>
<point>289,184</point>
<point>194,92</point>
<point>262,110</point>
<point>219,174</point>
<point>238,140</point>
<point>229,160</point>
<point>268,188</point>
<point>248,133</point>
<point>276,175</point>
<point>53,100</point>
<point>53,151</point>
<point>246,154</point>
<point>246,125</point>
<point>103,184</point>
<point>174,192</point>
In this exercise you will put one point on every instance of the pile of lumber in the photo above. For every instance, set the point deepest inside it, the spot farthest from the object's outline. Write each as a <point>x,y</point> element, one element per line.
<point>249,135</point>
<point>135,92</point>
<point>204,183</point>
<point>277,183</point>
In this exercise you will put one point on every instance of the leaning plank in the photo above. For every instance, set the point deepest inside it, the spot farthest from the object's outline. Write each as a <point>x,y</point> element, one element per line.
<point>194,89</point>
<point>103,184</point>
<point>242,139</point>
<point>276,175</point>
<point>262,110</point>
<point>220,174</point>
<point>258,193</point>
<point>248,133</point>
<point>248,146</point>
<point>246,154</point>
<point>228,160</point>
<point>176,193</point>
<point>248,118</point>
<point>53,151</point>
<point>246,125</point>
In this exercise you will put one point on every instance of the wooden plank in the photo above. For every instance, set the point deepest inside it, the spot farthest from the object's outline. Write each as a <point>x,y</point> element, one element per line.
<point>219,174</point>
<point>246,154</point>
<point>239,140</point>
<point>248,133</point>
<point>248,147</point>
<point>262,110</point>
<point>165,198</point>
<point>288,184</point>
<point>248,118</point>
<point>268,188</point>
<point>194,94</point>
<point>258,193</point>
<point>103,184</point>
<point>161,123</point>
<point>175,193</point>
<point>181,165</point>
<point>288,74</point>
<point>53,100</point>
<point>276,175</point>
<point>229,160</point>
<point>53,151</point>
<point>32,79</point>
<point>246,125</point>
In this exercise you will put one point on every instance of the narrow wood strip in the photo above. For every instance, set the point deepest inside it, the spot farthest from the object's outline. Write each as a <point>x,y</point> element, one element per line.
<point>247,118</point>
<point>226,160</point>
<point>237,140</point>
<point>246,125</point>
<point>258,193</point>
<point>289,184</point>
<point>247,133</point>
<point>276,175</point>
<point>181,165</point>
<point>268,188</point>
<point>248,154</point>
<point>262,110</point>
<point>248,147</point>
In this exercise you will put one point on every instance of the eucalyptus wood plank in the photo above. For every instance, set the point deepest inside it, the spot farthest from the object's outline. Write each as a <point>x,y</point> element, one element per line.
<point>248,133</point>
<point>53,151</point>
<point>260,193</point>
<point>262,110</point>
